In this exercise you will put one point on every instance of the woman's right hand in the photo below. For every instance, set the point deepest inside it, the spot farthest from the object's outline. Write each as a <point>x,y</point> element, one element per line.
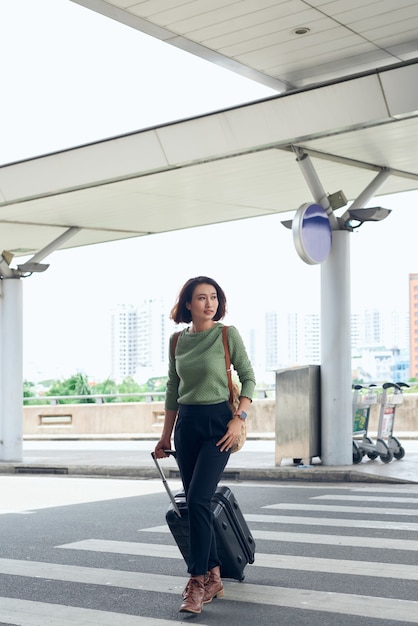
<point>165,441</point>
<point>163,444</point>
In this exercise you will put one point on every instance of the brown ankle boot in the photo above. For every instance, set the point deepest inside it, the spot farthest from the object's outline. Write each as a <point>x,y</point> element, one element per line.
<point>193,595</point>
<point>213,585</point>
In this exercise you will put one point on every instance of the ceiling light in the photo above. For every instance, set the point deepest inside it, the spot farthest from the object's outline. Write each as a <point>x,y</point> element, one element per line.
<point>302,30</point>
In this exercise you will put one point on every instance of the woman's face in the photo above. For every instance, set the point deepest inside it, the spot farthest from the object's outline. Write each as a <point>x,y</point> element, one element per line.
<point>204,303</point>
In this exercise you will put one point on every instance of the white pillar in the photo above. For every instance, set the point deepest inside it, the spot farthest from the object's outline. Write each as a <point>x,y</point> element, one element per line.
<point>336,380</point>
<point>11,370</point>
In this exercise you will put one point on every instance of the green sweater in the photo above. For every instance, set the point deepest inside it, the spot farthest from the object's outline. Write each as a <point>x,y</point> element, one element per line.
<point>197,373</point>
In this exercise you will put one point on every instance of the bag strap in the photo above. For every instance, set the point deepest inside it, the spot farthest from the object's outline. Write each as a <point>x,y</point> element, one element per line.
<point>174,344</point>
<point>227,361</point>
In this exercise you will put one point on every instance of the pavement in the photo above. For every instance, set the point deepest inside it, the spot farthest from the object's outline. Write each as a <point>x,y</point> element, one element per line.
<point>129,456</point>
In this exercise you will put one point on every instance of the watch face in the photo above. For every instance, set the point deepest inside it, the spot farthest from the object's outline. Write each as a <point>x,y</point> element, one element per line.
<point>243,415</point>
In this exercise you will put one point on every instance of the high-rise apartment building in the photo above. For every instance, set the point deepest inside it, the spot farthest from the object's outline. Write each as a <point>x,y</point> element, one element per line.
<point>276,340</point>
<point>379,343</point>
<point>311,342</point>
<point>154,329</point>
<point>272,359</point>
<point>124,343</point>
<point>379,340</point>
<point>372,328</point>
<point>291,339</point>
<point>413,325</point>
<point>139,340</point>
<point>356,331</point>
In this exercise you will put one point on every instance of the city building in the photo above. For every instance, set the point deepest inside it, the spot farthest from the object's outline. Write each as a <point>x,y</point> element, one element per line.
<point>379,345</point>
<point>154,330</point>
<point>291,339</point>
<point>413,325</point>
<point>124,342</point>
<point>379,342</point>
<point>139,340</point>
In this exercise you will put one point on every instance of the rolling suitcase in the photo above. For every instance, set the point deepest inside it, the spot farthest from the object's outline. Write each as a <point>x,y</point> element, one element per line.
<point>235,544</point>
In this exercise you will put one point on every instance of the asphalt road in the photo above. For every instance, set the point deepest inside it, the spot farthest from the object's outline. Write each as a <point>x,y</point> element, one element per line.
<point>97,551</point>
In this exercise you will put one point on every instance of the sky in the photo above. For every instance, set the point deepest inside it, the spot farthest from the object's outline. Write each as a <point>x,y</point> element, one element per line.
<point>72,77</point>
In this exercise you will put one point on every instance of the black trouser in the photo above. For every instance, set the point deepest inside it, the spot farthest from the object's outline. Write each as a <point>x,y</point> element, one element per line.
<point>201,464</point>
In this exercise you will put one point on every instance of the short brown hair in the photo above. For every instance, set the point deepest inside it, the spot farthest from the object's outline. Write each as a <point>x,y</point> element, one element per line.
<point>180,313</point>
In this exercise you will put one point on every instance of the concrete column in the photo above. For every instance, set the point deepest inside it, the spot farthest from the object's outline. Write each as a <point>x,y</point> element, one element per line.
<point>11,370</point>
<point>336,379</point>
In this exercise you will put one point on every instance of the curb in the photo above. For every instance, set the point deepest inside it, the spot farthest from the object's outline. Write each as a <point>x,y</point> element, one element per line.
<point>251,436</point>
<point>279,474</point>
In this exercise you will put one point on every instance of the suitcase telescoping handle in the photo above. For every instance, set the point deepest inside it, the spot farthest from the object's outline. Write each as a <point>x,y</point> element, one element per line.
<point>163,478</point>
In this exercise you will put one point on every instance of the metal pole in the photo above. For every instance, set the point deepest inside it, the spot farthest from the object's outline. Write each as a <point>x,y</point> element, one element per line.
<point>336,376</point>
<point>54,245</point>
<point>336,426</point>
<point>11,370</point>
<point>366,195</point>
<point>315,186</point>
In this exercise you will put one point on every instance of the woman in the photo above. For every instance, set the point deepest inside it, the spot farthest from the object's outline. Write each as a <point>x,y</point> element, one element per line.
<point>205,429</point>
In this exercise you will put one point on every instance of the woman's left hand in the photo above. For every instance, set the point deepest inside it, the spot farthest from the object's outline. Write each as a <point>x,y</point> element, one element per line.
<point>232,434</point>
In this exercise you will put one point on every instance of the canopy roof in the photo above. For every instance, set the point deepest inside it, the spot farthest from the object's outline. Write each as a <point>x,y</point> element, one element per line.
<point>348,96</point>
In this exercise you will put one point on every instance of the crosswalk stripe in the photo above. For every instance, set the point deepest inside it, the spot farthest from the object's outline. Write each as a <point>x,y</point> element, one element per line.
<point>288,506</point>
<point>274,561</point>
<point>339,540</point>
<point>30,613</point>
<point>14,512</point>
<point>157,550</point>
<point>376,488</point>
<point>93,576</point>
<point>338,566</point>
<point>394,499</point>
<point>329,521</point>
<point>329,602</point>
<point>380,543</point>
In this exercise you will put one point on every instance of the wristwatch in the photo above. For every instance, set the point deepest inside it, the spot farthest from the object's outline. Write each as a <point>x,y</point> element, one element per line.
<point>242,415</point>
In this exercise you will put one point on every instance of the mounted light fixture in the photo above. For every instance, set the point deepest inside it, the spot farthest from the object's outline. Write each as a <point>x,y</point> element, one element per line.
<point>32,267</point>
<point>354,218</point>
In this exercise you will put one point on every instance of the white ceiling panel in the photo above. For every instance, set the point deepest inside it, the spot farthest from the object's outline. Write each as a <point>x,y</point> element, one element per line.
<point>239,163</point>
<point>272,44</point>
<point>379,9</point>
<point>236,31</point>
<point>254,26</point>
<point>389,145</point>
<point>397,20</point>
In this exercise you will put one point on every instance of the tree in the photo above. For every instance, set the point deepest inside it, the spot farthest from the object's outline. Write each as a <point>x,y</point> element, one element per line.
<point>28,389</point>
<point>106,387</point>
<point>129,385</point>
<point>29,392</point>
<point>77,385</point>
<point>157,384</point>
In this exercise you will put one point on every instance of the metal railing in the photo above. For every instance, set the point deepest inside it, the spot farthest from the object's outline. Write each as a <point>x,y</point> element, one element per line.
<point>101,398</point>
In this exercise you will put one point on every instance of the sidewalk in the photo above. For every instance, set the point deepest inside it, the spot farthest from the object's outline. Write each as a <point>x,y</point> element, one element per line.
<point>130,457</point>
